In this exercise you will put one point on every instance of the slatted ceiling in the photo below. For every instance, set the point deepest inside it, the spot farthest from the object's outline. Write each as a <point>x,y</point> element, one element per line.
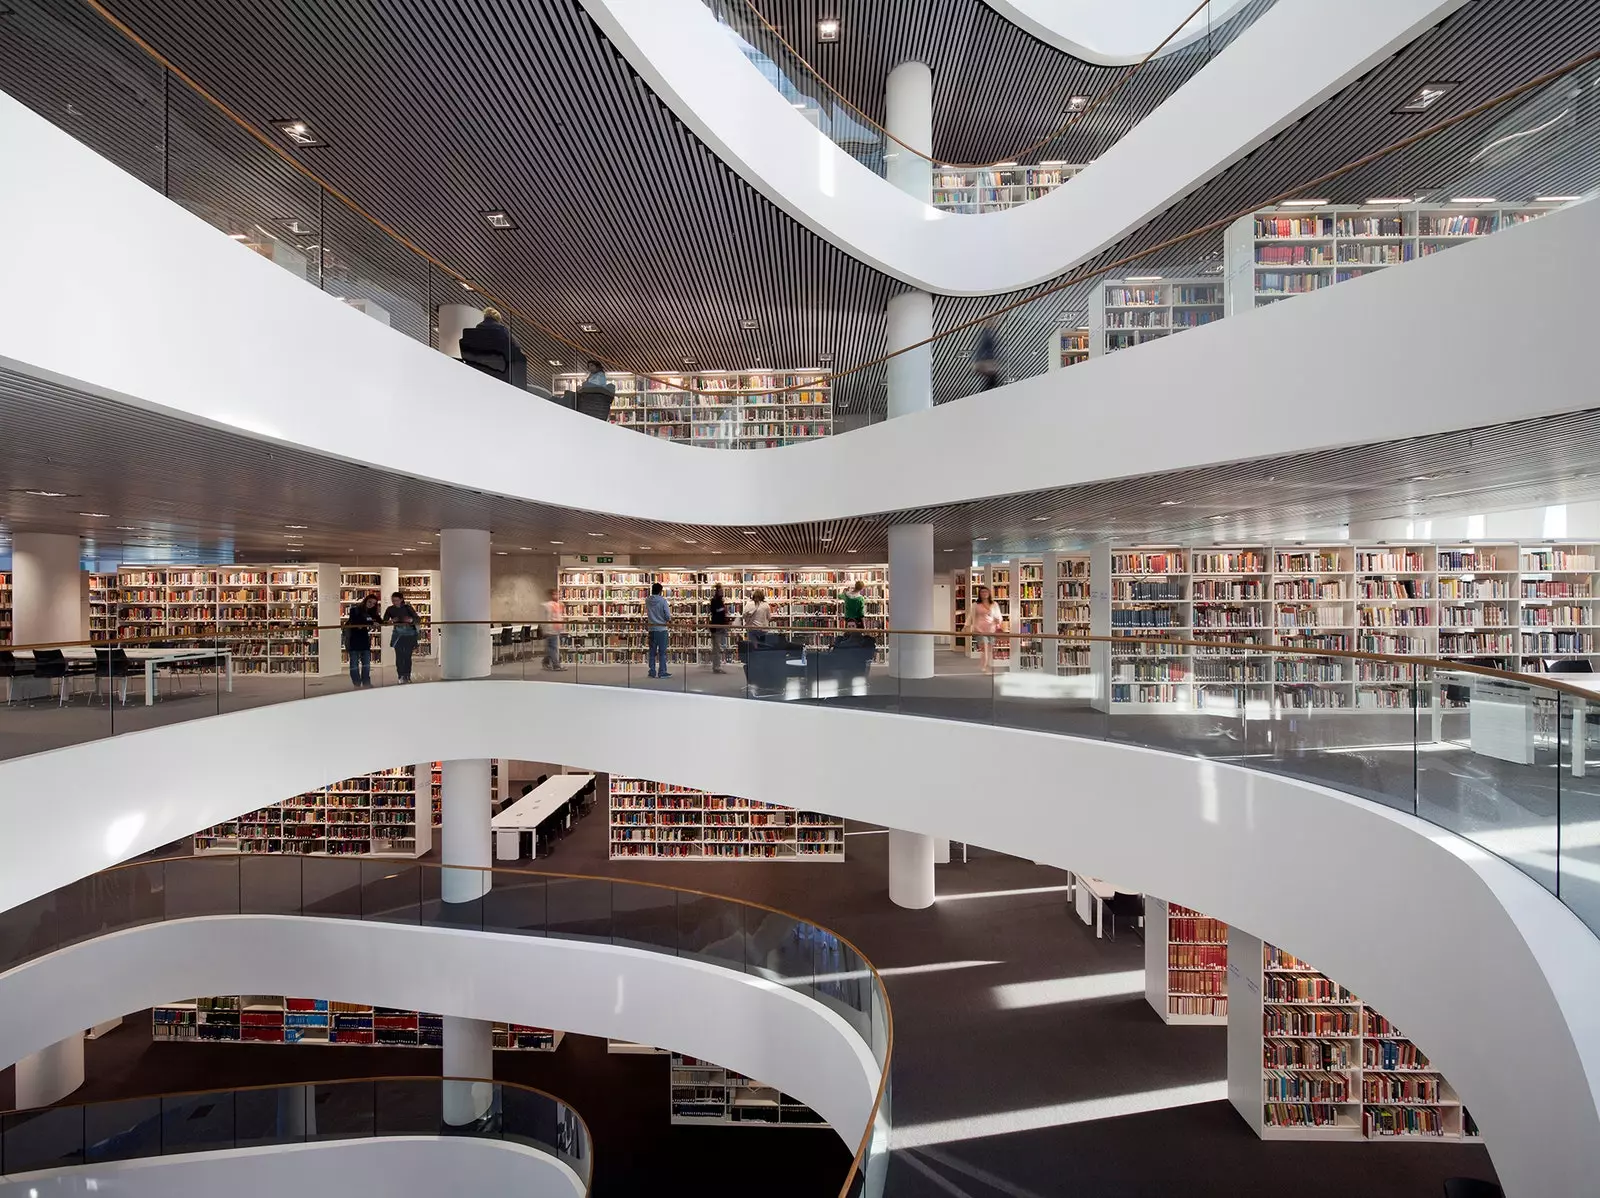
<point>237,494</point>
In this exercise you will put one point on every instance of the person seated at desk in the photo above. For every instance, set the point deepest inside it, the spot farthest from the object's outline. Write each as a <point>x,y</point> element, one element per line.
<point>491,348</point>
<point>595,396</point>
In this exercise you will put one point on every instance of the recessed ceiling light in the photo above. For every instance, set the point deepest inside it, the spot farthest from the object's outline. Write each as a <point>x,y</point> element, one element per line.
<point>466,286</point>
<point>294,526</point>
<point>828,537</point>
<point>1304,203</point>
<point>497,553</point>
<point>1222,516</point>
<point>597,534</point>
<point>828,29</point>
<point>299,133</point>
<point>1472,199</point>
<point>240,236</point>
<point>1555,199</point>
<point>498,218</point>
<point>1144,278</point>
<point>96,515</point>
<point>750,532</point>
<point>1390,200</point>
<point>716,553</point>
<point>394,555</point>
<point>688,361</point>
<point>690,541</point>
<point>852,551</point>
<point>558,542</point>
<point>824,358</point>
<point>949,550</point>
<point>1039,519</point>
<point>554,361</point>
<point>588,328</point>
<point>1425,97</point>
<point>749,324</point>
<point>47,494</point>
<point>298,227</point>
<point>646,546</point>
<point>1171,502</point>
<point>525,548</point>
<point>127,528</point>
<point>980,538</point>
<point>1077,104</point>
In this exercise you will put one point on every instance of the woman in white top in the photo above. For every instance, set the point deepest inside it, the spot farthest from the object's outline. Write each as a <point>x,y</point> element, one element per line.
<point>757,612</point>
<point>555,614</point>
<point>984,621</point>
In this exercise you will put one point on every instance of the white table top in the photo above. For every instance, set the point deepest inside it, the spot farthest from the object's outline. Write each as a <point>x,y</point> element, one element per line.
<point>1098,887</point>
<point>85,653</point>
<point>540,803</point>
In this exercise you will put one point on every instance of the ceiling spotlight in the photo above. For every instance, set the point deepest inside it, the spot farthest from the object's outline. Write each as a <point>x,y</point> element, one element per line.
<point>525,548</point>
<point>294,526</point>
<point>750,532</point>
<point>1040,519</point>
<point>240,236</point>
<point>301,135</point>
<point>298,227</point>
<point>690,541</point>
<point>394,554</point>
<point>558,542</point>
<point>1077,104</point>
<point>597,534</point>
<point>980,538</point>
<point>749,324</point>
<point>828,29</point>
<point>646,546</point>
<point>826,537</point>
<point>1171,502</point>
<point>497,553</point>
<point>554,361</point>
<point>588,328</point>
<point>949,550</point>
<point>127,528</point>
<point>499,219</point>
<point>95,515</point>
<point>1425,97</point>
<point>688,361</point>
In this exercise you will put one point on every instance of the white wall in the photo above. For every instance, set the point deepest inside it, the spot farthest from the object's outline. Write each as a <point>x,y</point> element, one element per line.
<point>1112,34</point>
<point>1280,68</point>
<point>50,591</point>
<point>519,584</point>
<point>756,1027</point>
<point>1490,973</point>
<point>140,338</point>
<point>395,1166</point>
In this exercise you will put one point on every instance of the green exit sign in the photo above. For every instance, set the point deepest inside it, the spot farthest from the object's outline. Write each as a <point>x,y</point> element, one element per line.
<point>607,560</point>
<point>583,557</point>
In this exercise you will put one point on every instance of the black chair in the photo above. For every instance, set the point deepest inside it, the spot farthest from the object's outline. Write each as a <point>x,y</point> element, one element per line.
<point>1127,906</point>
<point>507,641</point>
<point>112,664</point>
<point>770,661</point>
<point>1569,665</point>
<point>11,668</point>
<point>527,638</point>
<point>482,350</point>
<point>594,401</point>
<point>53,663</point>
<point>1471,1187</point>
<point>846,663</point>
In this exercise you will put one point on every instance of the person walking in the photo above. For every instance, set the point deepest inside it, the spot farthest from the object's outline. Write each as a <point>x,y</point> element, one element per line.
<point>360,620</point>
<point>855,606</point>
<point>660,616</point>
<point>986,355</point>
<point>719,630</point>
<point>555,613</point>
<point>983,622</point>
<point>405,632</point>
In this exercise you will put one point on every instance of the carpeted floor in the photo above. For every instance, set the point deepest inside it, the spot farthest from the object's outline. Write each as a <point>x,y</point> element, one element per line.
<point>995,1091</point>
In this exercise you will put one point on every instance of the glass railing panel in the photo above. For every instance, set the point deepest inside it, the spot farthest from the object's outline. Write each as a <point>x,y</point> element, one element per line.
<point>204,886</point>
<point>1578,834</point>
<point>391,890</point>
<point>579,909</point>
<point>645,916</point>
<point>407,1107</point>
<point>272,1115</point>
<point>341,1110</point>
<point>122,1131</point>
<point>516,903</point>
<point>37,1140</point>
<point>269,884</point>
<point>330,887</point>
<point>197,1122</point>
<point>711,930</point>
<point>781,949</point>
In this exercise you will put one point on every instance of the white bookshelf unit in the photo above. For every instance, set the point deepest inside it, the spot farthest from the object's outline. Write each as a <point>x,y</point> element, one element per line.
<point>370,815</point>
<point>655,820</point>
<point>279,1019</point>
<point>1279,252</point>
<point>1308,1060</point>
<point>1069,346</point>
<point>419,588</point>
<point>103,604</point>
<point>1185,963</point>
<point>1135,311</point>
<point>436,788</point>
<point>1072,614</point>
<point>996,188</point>
<point>707,1094</point>
<point>264,614</point>
<point>709,409</point>
<point>5,607</point>
<point>800,597</point>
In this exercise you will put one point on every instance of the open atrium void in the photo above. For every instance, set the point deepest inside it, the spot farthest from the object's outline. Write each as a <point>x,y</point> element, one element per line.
<point>824,598</point>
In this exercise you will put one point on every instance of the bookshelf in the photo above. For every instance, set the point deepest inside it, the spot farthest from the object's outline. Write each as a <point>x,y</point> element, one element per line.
<point>354,585</point>
<point>960,581</point>
<point>370,815</point>
<point>1185,964</point>
<point>1279,252</point>
<point>1072,614</point>
<point>436,787</point>
<point>5,607</point>
<point>419,588</point>
<point>800,597</point>
<point>1135,311</point>
<point>1069,346</point>
<point>994,189</point>
<point>707,1094</point>
<point>655,820</point>
<point>1028,585</point>
<point>706,408</point>
<point>1308,1060</point>
<point>264,614</point>
<point>103,603</point>
<point>281,1019</point>
<point>998,579</point>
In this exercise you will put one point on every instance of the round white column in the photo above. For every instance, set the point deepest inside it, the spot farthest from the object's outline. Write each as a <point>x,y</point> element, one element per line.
<point>941,851</point>
<point>910,599</point>
<point>455,319</point>
<point>49,590</point>
<point>910,375</point>
<point>908,114</point>
<point>50,1074</point>
<point>468,1052</point>
<point>910,869</point>
<point>467,839</point>
<point>464,595</point>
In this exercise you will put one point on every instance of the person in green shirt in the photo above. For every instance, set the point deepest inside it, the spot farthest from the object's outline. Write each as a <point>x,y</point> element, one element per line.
<point>855,606</point>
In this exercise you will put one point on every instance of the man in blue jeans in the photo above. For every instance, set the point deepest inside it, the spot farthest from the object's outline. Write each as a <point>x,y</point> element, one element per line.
<point>359,621</point>
<point>659,615</point>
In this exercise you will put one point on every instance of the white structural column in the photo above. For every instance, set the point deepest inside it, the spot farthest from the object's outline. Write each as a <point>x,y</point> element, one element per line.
<point>49,1075</point>
<point>468,1052</point>
<point>908,107</point>
<point>50,592</point>
<point>464,790</point>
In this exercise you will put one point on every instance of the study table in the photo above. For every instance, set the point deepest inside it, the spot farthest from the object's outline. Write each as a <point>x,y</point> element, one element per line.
<point>531,810</point>
<point>150,659</point>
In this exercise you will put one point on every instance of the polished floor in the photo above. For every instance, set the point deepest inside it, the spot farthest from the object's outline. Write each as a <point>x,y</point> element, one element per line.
<point>1027,1061</point>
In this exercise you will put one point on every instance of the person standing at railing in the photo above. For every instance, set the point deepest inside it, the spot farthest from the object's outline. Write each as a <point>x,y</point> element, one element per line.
<point>660,616</point>
<point>359,622</point>
<point>555,614</point>
<point>406,631</point>
<point>855,605</point>
<point>983,622</point>
<point>757,613</point>
<point>988,357</point>
<point>719,630</point>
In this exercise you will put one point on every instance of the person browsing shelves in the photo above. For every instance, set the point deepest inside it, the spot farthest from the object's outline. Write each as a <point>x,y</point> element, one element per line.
<point>360,620</point>
<point>406,632</point>
<point>855,606</point>
<point>660,616</point>
<point>719,630</point>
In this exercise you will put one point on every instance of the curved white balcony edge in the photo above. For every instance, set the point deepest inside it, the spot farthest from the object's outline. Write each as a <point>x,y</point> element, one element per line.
<point>171,315</point>
<point>1494,977</point>
<point>751,1025</point>
<point>394,1166</point>
<point>1275,72</point>
<point>1111,35</point>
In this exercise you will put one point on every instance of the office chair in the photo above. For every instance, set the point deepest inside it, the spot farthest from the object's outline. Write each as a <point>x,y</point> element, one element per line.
<point>53,663</point>
<point>1569,665</point>
<point>112,664</point>
<point>11,668</point>
<point>1129,906</point>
